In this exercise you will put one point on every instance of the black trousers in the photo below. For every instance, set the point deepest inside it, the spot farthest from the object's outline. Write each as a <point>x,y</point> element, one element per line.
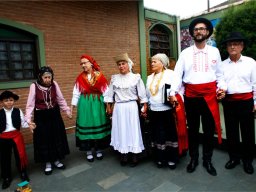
<point>196,110</point>
<point>239,116</point>
<point>6,147</point>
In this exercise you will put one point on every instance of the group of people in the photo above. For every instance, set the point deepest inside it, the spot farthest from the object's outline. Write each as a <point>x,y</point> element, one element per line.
<point>109,113</point>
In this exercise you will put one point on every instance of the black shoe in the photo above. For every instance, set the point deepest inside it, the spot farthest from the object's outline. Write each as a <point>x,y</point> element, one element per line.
<point>59,165</point>
<point>123,159</point>
<point>24,176</point>
<point>209,168</point>
<point>232,164</point>
<point>248,168</point>
<point>192,165</point>
<point>89,159</point>
<point>159,164</point>
<point>134,161</point>
<point>171,165</point>
<point>99,155</point>
<point>6,183</point>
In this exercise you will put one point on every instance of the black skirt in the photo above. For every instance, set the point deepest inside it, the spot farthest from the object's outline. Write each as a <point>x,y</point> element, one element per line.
<point>50,139</point>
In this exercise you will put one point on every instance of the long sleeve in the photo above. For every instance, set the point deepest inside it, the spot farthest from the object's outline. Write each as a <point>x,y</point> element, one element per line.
<point>61,101</point>
<point>76,96</point>
<point>30,103</point>
<point>142,92</point>
<point>24,123</point>
<point>109,93</point>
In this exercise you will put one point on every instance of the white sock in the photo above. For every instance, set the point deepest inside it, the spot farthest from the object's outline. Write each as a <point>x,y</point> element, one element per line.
<point>171,163</point>
<point>48,166</point>
<point>58,163</point>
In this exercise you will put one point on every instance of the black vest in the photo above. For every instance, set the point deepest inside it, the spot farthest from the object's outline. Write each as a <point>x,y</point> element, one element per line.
<point>16,121</point>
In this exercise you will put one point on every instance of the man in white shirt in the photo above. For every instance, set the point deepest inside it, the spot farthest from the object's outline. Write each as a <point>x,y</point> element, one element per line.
<point>197,70</point>
<point>239,104</point>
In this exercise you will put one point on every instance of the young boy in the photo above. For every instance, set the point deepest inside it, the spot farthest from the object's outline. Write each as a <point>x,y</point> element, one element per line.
<point>11,120</point>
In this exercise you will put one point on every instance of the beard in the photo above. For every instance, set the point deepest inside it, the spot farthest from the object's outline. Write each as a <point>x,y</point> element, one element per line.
<point>200,38</point>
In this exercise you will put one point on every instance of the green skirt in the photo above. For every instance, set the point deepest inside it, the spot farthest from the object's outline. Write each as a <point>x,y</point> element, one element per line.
<point>92,122</point>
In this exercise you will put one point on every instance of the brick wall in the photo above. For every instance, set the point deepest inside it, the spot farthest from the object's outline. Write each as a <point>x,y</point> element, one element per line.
<point>100,29</point>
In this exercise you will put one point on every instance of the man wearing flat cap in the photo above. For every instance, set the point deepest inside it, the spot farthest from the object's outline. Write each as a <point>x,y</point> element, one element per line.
<point>239,104</point>
<point>197,70</point>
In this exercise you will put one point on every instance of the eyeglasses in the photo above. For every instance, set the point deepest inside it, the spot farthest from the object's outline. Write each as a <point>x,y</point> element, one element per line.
<point>84,62</point>
<point>200,29</point>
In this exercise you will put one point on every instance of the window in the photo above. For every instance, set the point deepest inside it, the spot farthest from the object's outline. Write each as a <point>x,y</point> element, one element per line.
<point>159,41</point>
<point>18,54</point>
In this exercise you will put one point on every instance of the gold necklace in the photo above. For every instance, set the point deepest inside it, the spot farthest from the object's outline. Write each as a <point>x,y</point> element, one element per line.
<point>157,85</point>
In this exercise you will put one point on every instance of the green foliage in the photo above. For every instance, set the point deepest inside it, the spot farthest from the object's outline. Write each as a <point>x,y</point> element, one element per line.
<point>239,18</point>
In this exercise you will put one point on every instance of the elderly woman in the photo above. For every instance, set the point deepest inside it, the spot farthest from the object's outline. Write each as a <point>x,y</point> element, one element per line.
<point>92,124</point>
<point>164,134</point>
<point>125,89</point>
<point>49,136</point>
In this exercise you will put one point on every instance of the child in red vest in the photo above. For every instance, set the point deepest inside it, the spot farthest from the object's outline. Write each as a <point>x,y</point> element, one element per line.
<point>11,120</point>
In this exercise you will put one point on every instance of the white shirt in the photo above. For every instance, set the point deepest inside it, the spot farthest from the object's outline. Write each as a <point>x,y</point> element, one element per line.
<point>198,66</point>
<point>240,76</point>
<point>125,88</point>
<point>9,125</point>
<point>156,101</point>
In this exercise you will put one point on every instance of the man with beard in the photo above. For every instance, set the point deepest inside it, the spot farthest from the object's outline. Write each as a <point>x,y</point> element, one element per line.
<point>197,71</point>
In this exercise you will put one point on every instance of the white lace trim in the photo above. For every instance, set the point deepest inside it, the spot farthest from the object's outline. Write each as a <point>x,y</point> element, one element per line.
<point>125,81</point>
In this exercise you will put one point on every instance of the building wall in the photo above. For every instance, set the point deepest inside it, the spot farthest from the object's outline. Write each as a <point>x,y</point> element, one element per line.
<point>152,18</point>
<point>101,29</point>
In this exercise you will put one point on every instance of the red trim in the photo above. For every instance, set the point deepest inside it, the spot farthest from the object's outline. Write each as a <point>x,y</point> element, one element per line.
<point>239,96</point>
<point>181,125</point>
<point>208,92</point>
<point>17,137</point>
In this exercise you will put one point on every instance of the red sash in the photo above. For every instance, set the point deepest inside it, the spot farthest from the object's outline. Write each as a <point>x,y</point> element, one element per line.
<point>239,96</point>
<point>16,136</point>
<point>208,92</point>
<point>181,126</point>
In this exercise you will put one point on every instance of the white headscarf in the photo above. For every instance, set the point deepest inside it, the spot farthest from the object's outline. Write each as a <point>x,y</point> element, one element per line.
<point>163,58</point>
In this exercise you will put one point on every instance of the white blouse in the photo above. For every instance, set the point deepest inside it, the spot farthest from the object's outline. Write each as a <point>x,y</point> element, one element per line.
<point>125,88</point>
<point>156,100</point>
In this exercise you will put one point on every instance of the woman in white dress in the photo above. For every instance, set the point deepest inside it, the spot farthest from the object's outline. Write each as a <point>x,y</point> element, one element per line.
<point>125,89</point>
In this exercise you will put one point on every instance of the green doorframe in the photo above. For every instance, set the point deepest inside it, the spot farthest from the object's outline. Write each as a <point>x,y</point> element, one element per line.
<point>142,37</point>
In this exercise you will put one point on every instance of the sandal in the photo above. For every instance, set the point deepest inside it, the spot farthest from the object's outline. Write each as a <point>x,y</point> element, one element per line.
<point>59,165</point>
<point>48,169</point>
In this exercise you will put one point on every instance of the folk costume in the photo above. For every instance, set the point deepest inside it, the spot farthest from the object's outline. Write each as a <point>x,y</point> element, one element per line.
<point>49,137</point>
<point>198,70</point>
<point>11,139</point>
<point>164,132</point>
<point>238,104</point>
<point>124,91</point>
<point>92,125</point>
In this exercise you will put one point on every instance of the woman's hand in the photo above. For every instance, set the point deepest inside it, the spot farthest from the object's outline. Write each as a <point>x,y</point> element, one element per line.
<point>109,109</point>
<point>173,101</point>
<point>144,110</point>
<point>32,126</point>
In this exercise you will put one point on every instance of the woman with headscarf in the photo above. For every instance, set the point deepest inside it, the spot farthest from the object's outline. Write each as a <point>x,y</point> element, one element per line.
<point>92,124</point>
<point>49,136</point>
<point>124,90</point>
<point>164,134</point>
